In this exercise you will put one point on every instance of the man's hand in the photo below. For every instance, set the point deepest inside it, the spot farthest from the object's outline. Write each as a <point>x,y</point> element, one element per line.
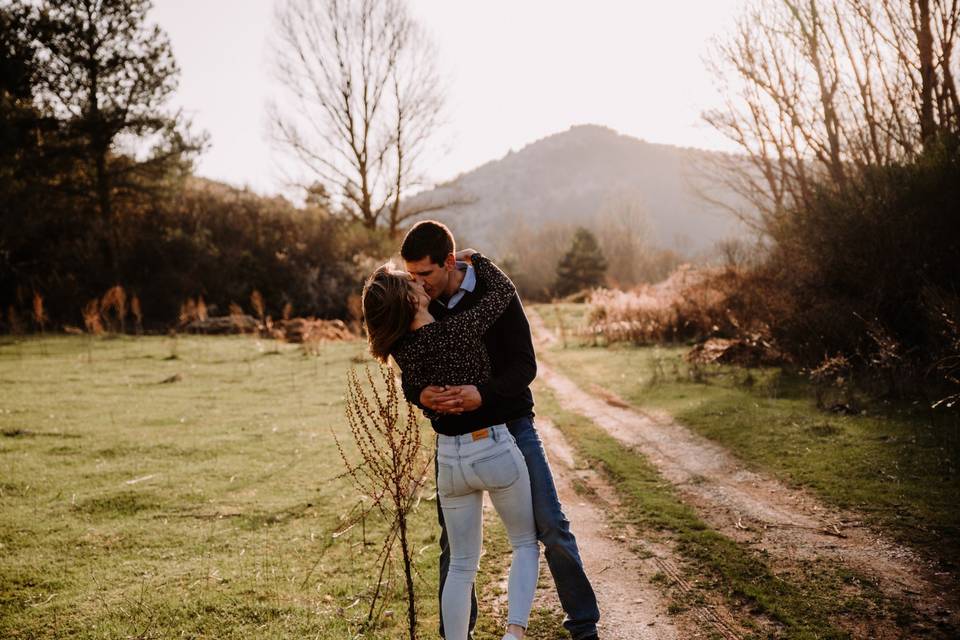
<point>441,399</point>
<point>465,255</point>
<point>451,400</point>
<point>470,397</point>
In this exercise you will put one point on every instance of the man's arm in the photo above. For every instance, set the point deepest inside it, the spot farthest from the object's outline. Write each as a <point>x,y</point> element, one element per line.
<point>433,398</point>
<point>513,379</point>
<point>411,392</point>
<point>513,338</point>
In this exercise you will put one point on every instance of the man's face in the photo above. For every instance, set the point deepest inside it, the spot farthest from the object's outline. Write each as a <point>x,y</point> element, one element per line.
<point>434,277</point>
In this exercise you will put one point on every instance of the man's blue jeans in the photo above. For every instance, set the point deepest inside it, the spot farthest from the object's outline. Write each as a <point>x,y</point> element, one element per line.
<point>553,531</point>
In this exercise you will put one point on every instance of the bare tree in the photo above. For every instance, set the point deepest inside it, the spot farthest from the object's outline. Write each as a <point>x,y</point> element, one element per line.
<point>818,90</point>
<point>365,100</point>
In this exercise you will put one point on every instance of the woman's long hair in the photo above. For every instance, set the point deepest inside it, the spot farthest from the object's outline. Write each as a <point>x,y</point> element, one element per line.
<point>388,309</point>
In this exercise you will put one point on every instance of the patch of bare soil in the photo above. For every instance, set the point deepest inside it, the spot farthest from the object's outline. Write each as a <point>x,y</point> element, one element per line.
<point>790,525</point>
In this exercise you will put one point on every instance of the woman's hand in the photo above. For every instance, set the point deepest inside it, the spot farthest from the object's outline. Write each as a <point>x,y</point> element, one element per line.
<point>465,255</point>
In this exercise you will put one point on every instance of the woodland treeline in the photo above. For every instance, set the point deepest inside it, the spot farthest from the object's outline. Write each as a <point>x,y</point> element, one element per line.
<point>847,117</point>
<point>97,190</point>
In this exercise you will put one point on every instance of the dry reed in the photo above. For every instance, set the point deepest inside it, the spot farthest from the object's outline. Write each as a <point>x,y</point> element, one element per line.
<point>690,304</point>
<point>188,312</point>
<point>137,313</point>
<point>256,301</point>
<point>113,308</point>
<point>39,314</point>
<point>391,470</point>
<point>92,319</point>
<point>236,315</point>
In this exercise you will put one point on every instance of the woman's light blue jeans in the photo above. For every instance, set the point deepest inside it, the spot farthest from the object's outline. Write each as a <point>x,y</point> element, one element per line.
<point>467,465</point>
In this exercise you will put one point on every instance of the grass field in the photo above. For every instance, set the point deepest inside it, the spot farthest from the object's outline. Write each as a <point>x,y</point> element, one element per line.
<point>898,464</point>
<point>157,487</point>
<point>154,487</point>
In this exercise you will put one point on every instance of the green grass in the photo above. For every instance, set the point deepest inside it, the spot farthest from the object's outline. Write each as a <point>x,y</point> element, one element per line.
<point>804,601</point>
<point>896,464</point>
<point>563,317</point>
<point>158,487</point>
<point>200,507</point>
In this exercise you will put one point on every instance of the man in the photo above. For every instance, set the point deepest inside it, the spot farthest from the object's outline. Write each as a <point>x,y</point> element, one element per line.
<point>428,253</point>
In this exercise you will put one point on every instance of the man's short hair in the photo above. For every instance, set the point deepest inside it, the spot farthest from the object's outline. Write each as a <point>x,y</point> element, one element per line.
<point>428,238</point>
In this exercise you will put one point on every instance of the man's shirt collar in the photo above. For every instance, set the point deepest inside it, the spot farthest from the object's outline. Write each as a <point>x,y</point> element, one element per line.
<point>469,284</point>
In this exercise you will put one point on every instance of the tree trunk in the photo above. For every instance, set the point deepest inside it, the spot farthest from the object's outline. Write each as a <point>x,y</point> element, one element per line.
<point>925,49</point>
<point>99,149</point>
<point>106,215</point>
<point>827,88</point>
<point>395,207</point>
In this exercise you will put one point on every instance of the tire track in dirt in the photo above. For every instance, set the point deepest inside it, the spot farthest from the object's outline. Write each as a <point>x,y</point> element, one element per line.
<point>789,524</point>
<point>620,566</point>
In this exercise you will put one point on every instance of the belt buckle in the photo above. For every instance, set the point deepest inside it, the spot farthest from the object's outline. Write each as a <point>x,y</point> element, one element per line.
<point>480,434</point>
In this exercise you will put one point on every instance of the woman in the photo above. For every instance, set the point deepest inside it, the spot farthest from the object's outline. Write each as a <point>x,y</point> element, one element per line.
<point>451,352</point>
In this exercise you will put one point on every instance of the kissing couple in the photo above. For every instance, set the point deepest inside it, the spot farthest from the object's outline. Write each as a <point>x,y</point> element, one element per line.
<point>453,323</point>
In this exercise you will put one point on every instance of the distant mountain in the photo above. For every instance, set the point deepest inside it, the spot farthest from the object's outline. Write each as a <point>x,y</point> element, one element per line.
<point>574,177</point>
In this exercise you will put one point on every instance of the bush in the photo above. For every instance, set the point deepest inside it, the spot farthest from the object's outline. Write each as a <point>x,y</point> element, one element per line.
<point>868,272</point>
<point>206,240</point>
<point>688,305</point>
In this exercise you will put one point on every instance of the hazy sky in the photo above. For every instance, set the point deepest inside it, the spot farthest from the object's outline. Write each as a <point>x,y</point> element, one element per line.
<point>516,71</point>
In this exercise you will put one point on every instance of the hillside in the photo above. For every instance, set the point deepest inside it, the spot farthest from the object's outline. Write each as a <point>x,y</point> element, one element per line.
<point>579,176</point>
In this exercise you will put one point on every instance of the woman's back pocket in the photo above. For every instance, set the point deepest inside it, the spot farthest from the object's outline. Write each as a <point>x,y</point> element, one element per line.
<point>498,471</point>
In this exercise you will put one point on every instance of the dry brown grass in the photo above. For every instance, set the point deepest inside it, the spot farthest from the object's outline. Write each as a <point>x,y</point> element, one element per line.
<point>113,309</point>
<point>192,311</point>
<point>39,314</point>
<point>238,317</point>
<point>256,301</point>
<point>725,310</point>
<point>137,313</point>
<point>831,382</point>
<point>188,312</point>
<point>92,319</point>
<point>312,334</point>
<point>687,305</point>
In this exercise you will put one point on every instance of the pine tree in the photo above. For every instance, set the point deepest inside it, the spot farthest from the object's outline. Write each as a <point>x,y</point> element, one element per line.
<point>583,266</point>
<point>106,78</point>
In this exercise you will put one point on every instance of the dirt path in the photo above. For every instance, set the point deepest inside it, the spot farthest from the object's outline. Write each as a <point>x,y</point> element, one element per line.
<point>789,524</point>
<point>619,562</point>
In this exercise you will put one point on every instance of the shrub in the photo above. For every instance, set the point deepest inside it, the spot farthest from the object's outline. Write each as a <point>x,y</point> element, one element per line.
<point>866,274</point>
<point>688,305</point>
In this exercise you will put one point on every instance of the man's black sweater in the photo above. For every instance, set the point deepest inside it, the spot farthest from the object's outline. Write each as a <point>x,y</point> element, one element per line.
<point>507,395</point>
